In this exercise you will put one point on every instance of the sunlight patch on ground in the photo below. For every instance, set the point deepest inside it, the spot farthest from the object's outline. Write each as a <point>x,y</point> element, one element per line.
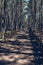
<point>27,47</point>
<point>19,58</point>
<point>12,39</point>
<point>21,32</point>
<point>23,40</point>
<point>23,61</point>
<point>26,51</point>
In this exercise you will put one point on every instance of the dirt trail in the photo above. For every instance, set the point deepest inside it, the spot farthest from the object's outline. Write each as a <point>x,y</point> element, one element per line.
<point>23,50</point>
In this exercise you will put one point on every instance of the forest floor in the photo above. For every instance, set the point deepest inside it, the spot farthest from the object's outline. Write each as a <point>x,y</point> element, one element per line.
<point>24,48</point>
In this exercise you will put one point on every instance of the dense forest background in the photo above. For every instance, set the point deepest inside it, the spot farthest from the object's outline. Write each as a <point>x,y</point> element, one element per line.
<point>20,14</point>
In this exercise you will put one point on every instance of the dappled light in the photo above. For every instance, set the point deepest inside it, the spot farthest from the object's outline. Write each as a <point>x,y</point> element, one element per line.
<point>24,51</point>
<point>21,32</point>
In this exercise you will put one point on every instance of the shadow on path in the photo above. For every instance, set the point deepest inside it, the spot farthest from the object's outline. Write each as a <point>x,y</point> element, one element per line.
<point>37,49</point>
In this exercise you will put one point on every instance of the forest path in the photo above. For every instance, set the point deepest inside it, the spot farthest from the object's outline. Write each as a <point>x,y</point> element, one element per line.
<point>25,49</point>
